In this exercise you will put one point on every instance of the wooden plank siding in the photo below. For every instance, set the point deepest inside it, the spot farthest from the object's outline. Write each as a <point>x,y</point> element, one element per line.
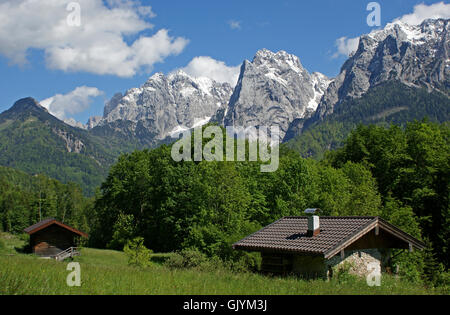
<point>51,241</point>
<point>276,263</point>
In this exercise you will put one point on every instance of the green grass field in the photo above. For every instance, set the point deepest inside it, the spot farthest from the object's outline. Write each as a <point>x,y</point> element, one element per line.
<point>107,272</point>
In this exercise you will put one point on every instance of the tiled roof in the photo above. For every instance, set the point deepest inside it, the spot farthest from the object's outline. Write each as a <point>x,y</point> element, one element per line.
<point>38,225</point>
<point>290,235</point>
<point>50,221</point>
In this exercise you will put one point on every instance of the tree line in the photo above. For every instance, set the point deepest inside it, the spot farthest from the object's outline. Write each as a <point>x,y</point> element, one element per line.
<point>25,199</point>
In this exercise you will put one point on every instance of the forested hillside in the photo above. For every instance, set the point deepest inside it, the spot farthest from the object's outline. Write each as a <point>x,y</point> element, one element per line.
<point>388,103</point>
<point>35,142</point>
<point>25,198</point>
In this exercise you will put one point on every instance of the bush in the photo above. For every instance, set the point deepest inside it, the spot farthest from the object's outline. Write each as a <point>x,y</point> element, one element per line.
<point>2,244</point>
<point>410,266</point>
<point>244,262</point>
<point>186,258</point>
<point>138,254</point>
<point>444,281</point>
<point>194,259</point>
<point>343,275</point>
<point>175,261</point>
<point>24,237</point>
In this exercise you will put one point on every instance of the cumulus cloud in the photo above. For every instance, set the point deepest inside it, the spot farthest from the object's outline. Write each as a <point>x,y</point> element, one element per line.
<point>217,70</point>
<point>110,40</point>
<point>421,12</point>
<point>63,106</point>
<point>346,46</point>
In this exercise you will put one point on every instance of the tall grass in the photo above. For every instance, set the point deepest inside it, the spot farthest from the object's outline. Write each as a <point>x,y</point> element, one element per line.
<point>23,274</point>
<point>107,272</point>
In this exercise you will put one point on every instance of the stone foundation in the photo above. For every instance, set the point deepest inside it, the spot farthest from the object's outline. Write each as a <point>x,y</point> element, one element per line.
<point>313,267</point>
<point>357,261</point>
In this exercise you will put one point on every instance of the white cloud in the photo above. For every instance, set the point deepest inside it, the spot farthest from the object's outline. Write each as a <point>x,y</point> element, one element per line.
<point>109,41</point>
<point>213,69</point>
<point>235,25</point>
<point>347,46</point>
<point>63,106</point>
<point>422,12</point>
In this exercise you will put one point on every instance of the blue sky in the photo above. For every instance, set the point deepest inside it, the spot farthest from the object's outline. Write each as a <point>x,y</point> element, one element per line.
<point>228,31</point>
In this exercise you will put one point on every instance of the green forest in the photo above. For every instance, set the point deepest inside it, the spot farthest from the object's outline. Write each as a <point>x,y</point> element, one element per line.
<point>401,174</point>
<point>388,103</point>
<point>25,199</point>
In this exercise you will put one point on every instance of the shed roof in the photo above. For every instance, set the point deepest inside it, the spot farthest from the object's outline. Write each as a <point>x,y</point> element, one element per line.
<point>48,222</point>
<point>289,235</point>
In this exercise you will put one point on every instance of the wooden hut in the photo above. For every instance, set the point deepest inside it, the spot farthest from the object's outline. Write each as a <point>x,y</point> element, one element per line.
<point>314,247</point>
<point>49,237</point>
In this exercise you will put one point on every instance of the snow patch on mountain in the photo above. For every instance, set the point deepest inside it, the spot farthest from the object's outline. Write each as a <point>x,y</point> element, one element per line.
<point>320,84</point>
<point>167,104</point>
<point>273,90</point>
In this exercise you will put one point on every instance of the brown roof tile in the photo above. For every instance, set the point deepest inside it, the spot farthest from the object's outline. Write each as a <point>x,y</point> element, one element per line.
<point>50,221</point>
<point>290,235</point>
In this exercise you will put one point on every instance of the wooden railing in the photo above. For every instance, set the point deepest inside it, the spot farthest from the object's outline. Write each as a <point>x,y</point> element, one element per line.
<point>68,253</point>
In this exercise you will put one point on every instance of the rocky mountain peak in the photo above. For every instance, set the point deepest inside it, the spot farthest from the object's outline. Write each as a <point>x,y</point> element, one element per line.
<point>273,89</point>
<point>416,55</point>
<point>166,103</point>
<point>279,63</point>
<point>426,32</point>
<point>27,104</point>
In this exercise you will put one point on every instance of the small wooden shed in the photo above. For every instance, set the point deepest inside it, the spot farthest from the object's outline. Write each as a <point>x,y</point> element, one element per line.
<point>314,247</point>
<point>49,237</point>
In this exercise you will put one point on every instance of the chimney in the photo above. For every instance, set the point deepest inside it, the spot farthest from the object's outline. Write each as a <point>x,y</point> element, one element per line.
<point>313,222</point>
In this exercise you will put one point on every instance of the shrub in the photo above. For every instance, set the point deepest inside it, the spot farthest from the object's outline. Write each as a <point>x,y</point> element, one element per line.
<point>187,258</point>
<point>175,261</point>
<point>193,258</point>
<point>444,281</point>
<point>246,262</point>
<point>2,244</point>
<point>343,274</point>
<point>410,266</point>
<point>138,255</point>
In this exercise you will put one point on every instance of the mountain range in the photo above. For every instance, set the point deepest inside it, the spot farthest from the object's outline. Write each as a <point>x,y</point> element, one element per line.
<point>397,74</point>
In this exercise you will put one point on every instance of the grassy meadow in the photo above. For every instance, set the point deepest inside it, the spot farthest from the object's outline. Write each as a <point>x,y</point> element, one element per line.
<point>107,272</point>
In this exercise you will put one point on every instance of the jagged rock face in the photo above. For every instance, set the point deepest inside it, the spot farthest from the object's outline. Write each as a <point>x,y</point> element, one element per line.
<point>73,145</point>
<point>93,121</point>
<point>413,55</point>
<point>167,104</point>
<point>273,89</point>
<point>72,122</point>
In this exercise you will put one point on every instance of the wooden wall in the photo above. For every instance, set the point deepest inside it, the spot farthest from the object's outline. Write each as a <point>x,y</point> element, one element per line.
<point>276,263</point>
<point>51,241</point>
